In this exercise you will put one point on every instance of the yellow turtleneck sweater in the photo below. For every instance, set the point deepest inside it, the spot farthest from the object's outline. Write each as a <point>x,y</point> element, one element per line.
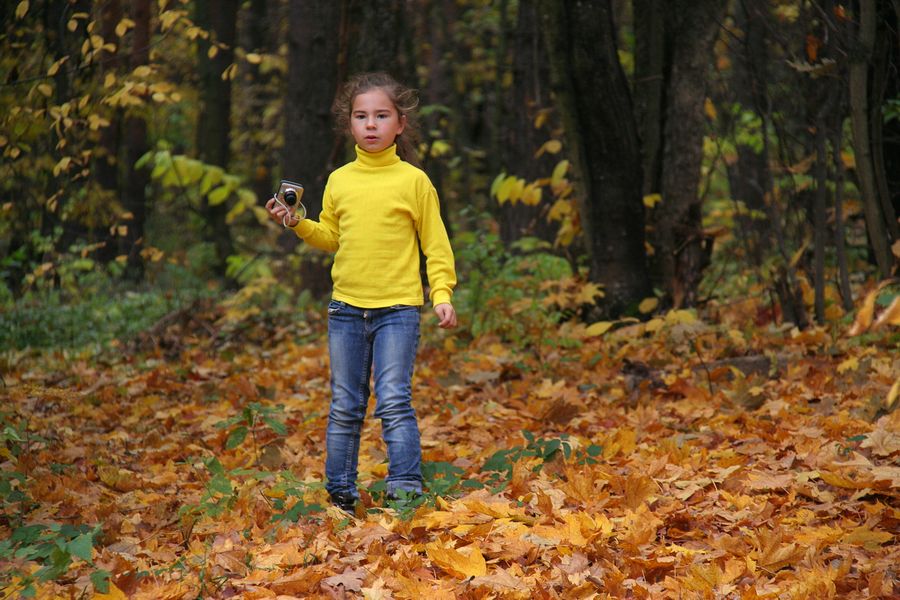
<point>374,210</point>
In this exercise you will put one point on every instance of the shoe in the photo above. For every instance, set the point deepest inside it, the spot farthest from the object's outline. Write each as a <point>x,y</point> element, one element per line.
<point>344,501</point>
<point>404,498</point>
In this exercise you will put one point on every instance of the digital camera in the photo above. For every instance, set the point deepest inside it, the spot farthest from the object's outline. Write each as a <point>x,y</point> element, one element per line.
<point>288,196</point>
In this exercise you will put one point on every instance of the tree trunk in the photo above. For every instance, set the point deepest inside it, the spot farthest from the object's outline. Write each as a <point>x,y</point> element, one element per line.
<point>683,249</point>
<point>309,139</point>
<point>136,180</point>
<point>860,107</point>
<point>649,87</point>
<point>528,95</point>
<point>603,141</point>
<point>839,233</point>
<point>748,175</point>
<point>214,120</point>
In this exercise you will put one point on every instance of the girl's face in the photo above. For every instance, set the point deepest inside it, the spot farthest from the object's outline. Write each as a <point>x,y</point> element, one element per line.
<point>374,121</point>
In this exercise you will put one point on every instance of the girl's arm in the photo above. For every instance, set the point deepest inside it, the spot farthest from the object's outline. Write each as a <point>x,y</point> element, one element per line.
<point>439,263</point>
<point>321,234</point>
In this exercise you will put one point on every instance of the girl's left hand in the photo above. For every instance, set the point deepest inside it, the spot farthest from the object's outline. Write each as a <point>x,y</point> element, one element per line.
<point>447,315</point>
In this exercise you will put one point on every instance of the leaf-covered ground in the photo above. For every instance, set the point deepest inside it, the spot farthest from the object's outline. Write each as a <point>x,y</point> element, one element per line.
<point>677,458</point>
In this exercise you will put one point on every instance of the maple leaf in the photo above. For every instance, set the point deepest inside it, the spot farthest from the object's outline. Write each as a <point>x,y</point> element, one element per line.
<point>464,563</point>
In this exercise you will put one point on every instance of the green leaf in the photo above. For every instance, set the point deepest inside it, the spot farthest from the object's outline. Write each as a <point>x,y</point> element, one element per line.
<point>276,425</point>
<point>236,438</point>
<point>220,484</point>
<point>82,547</point>
<point>212,177</point>
<point>219,195</point>
<point>100,579</point>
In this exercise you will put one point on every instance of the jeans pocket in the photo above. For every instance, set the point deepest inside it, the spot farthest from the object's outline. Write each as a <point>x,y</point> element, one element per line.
<point>335,307</point>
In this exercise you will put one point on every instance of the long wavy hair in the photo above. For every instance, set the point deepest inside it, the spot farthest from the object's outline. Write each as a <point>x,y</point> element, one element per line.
<point>405,100</point>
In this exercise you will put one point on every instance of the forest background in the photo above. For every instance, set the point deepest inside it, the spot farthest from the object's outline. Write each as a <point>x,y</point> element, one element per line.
<point>663,214</point>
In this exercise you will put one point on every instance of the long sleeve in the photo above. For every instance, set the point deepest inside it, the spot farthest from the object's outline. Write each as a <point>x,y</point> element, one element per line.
<point>322,234</point>
<point>439,263</point>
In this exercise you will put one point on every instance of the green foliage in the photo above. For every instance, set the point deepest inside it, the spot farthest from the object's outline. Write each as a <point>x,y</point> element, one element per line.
<point>253,417</point>
<point>93,307</point>
<point>504,292</point>
<point>289,487</point>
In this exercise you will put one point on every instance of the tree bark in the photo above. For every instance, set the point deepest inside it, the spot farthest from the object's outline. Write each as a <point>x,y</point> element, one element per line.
<point>521,139</point>
<point>214,120</point>
<point>860,107</point>
<point>603,141</point>
<point>309,138</point>
<point>134,197</point>
<point>683,249</point>
<point>649,87</point>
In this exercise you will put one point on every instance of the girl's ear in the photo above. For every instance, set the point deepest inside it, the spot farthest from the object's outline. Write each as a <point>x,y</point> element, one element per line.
<point>402,124</point>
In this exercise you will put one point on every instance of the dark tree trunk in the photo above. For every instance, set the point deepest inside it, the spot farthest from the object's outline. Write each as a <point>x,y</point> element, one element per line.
<point>136,180</point>
<point>862,106</point>
<point>309,138</point>
<point>748,175</point>
<point>649,87</point>
<point>214,120</point>
<point>683,250</point>
<point>603,141</point>
<point>259,19</point>
<point>528,96</point>
<point>106,159</point>
<point>378,39</point>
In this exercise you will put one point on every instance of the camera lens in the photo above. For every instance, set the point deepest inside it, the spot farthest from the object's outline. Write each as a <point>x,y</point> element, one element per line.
<point>290,196</point>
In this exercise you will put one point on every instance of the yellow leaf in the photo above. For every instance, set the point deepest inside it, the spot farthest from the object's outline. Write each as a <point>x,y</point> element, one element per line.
<point>504,189</point>
<point>253,58</point>
<point>22,9</point>
<point>683,316</point>
<point>648,305</point>
<point>229,72</point>
<point>550,147</point>
<point>892,395</point>
<point>495,186</point>
<point>710,109</point>
<point>114,593</point>
<point>851,364</point>
<point>123,26</point>
<point>213,50</point>
<point>559,172</point>
<point>651,200</point>
<point>864,536</point>
<point>45,89</point>
<point>891,316</point>
<point>455,562</point>
<point>864,316</point>
<point>598,328</point>
<point>142,71</point>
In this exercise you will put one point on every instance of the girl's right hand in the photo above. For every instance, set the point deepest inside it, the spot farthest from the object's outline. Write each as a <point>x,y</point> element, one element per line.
<point>278,212</point>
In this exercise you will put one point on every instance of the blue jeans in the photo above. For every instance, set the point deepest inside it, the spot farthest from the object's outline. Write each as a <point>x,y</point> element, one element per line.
<point>358,339</point>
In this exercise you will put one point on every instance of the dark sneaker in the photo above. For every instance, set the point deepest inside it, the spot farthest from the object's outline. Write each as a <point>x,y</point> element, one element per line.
<point>345,502</point>
<point>404,499</point>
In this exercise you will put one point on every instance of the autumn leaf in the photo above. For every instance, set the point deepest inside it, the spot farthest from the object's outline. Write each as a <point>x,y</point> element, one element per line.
<point>464,563</point>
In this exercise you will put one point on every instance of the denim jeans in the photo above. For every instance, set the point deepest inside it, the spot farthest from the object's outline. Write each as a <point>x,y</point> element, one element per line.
<point>358,340</point>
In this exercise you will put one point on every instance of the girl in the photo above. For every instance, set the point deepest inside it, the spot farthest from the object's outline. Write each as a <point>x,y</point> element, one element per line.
<point>376,212</point>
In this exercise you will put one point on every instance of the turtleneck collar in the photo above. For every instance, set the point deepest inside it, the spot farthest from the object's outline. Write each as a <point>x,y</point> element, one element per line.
<point>385,158</point>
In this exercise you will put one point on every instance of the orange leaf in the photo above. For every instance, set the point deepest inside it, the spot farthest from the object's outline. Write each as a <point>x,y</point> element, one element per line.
<point>456,562</point>
<point>891,316</point>
<point>864,316</point>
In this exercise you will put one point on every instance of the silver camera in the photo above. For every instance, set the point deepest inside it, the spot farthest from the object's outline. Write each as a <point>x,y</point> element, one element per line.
<point>288,196</point>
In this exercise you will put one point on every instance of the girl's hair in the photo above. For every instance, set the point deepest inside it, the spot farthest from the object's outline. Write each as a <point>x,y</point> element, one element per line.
<point>405,100</point>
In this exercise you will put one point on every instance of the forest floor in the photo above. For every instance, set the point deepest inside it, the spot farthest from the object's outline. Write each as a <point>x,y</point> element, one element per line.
<point>677,458</point>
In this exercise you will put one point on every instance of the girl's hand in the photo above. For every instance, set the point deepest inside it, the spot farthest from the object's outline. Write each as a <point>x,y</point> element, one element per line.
<point>277,212</point>
<point>447,315</point>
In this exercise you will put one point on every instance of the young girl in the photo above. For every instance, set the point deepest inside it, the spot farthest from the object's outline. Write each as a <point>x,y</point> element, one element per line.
<point>376,211</point>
